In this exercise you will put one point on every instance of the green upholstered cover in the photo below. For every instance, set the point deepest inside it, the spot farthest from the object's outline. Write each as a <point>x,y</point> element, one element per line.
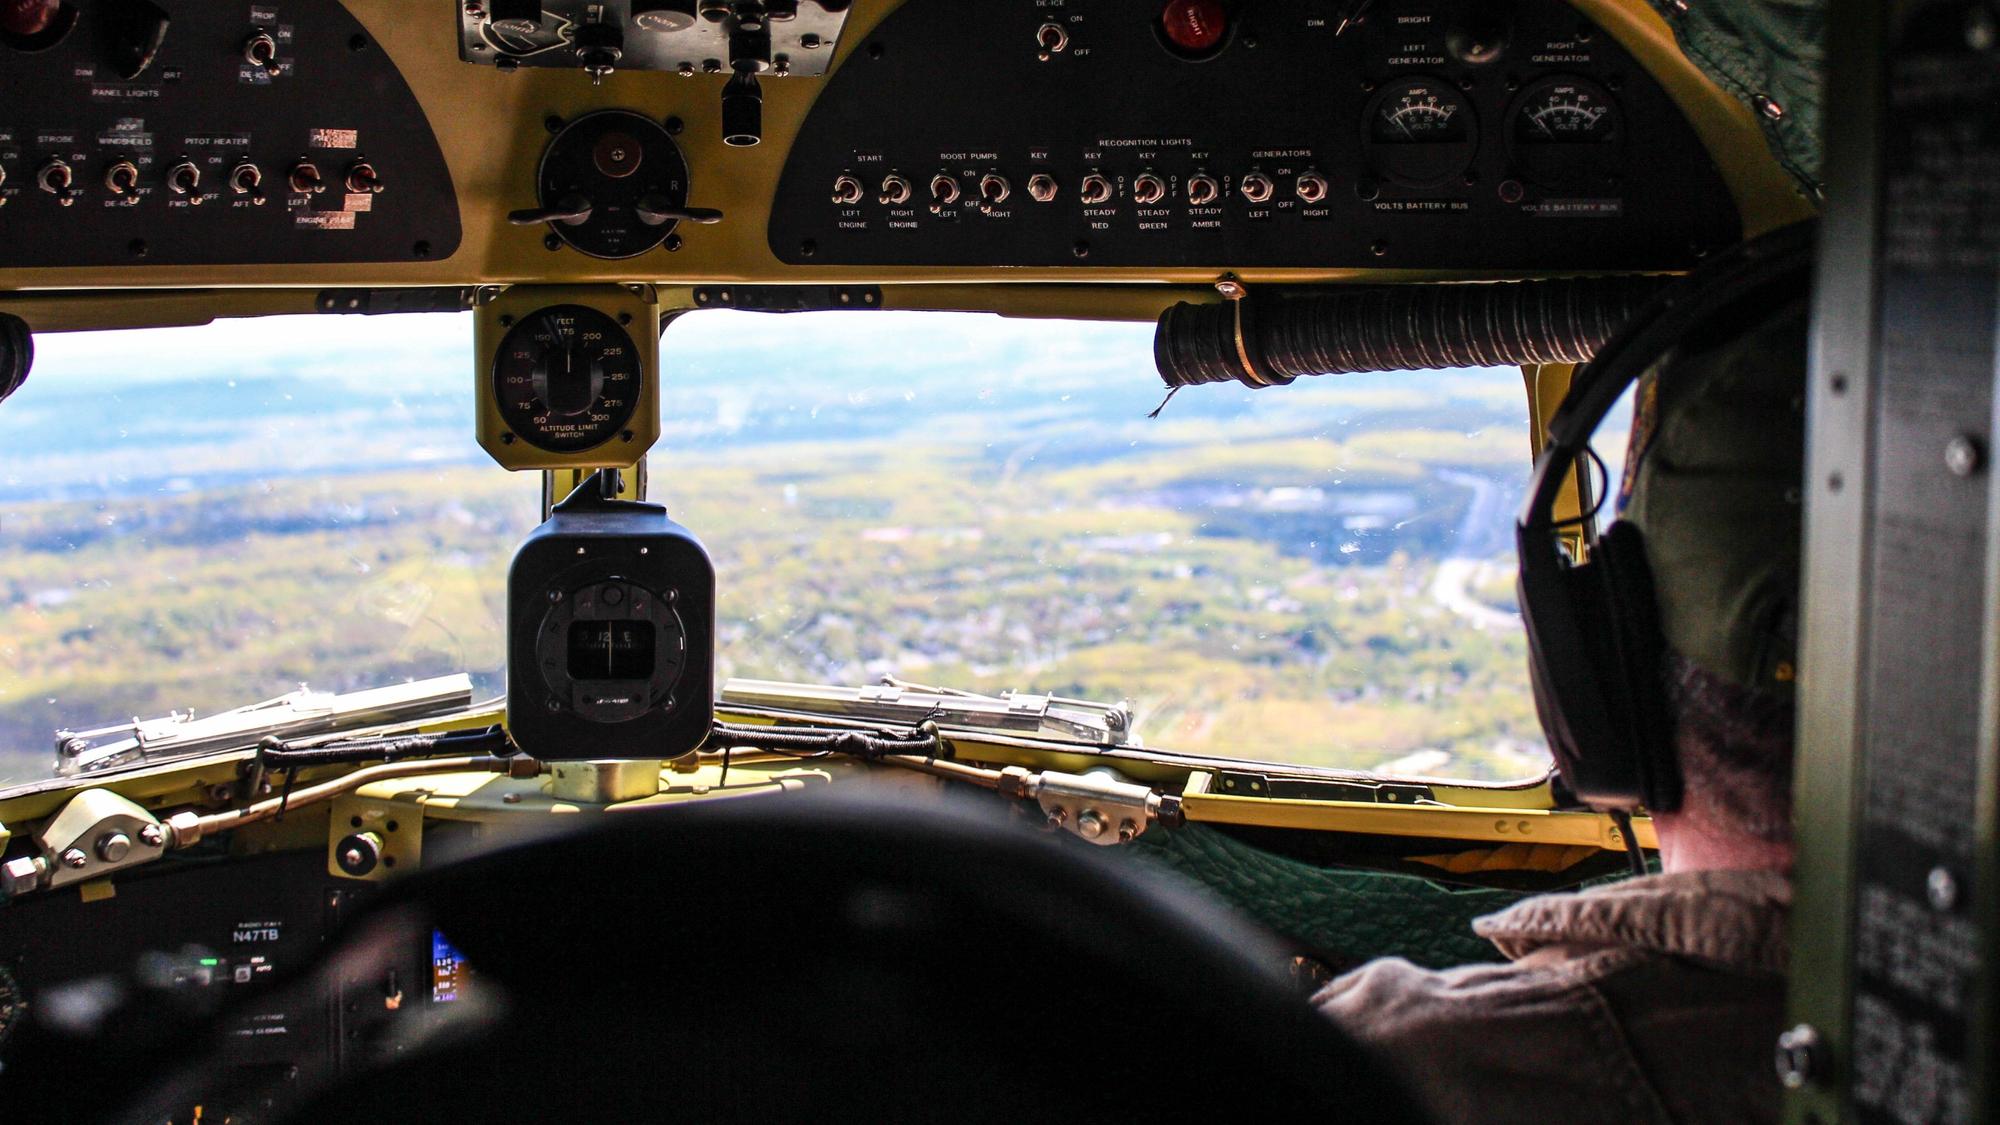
<point>1767,53</point>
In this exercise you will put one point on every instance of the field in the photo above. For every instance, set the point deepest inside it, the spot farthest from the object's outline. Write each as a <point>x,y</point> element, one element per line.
<point>1316,574</point>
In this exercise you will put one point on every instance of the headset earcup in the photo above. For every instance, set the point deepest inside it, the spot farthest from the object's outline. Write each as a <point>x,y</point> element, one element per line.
<point>1633,627</point>
<point>1594,662</point>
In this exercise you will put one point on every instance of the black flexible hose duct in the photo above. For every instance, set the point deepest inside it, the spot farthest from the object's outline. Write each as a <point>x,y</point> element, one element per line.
<point>1269,340</point>
<point>867,745</point>
<point>275,753</point>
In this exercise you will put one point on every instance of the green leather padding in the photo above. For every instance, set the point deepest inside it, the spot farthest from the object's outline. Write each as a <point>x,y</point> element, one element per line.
<point>1344,913</point>
<point>1767,53</point>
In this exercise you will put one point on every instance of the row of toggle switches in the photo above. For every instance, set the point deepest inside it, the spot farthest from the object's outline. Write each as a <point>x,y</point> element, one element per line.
<point>1096,189</point>
<point>183,179</point>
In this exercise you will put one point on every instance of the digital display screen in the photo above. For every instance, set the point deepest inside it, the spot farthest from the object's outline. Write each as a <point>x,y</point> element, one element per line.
<point>611,650</point>
<point>449,973</point>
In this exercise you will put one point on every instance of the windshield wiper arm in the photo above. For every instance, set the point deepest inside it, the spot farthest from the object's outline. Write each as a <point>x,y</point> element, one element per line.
<point>292,715</point>
<point>898,701</point>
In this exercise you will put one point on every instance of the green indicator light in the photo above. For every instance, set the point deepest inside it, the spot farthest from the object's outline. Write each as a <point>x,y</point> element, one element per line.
<point>211,962</point>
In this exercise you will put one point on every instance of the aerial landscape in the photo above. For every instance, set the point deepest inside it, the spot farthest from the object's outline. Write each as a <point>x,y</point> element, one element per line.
<point>1317,574</point>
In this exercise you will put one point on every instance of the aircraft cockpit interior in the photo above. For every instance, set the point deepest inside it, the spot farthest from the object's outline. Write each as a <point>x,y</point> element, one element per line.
<point>623,560</point>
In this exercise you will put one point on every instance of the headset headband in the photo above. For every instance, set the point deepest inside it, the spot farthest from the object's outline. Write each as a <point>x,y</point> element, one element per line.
<point>1712,290</point>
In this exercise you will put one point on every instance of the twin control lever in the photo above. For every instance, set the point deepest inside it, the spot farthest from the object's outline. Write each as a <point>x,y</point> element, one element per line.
<point>574,210</point>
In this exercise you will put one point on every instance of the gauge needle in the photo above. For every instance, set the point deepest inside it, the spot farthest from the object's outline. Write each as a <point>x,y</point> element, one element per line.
<point>1397,121</point>
<point>607,650</point>
<point>1543,126</point>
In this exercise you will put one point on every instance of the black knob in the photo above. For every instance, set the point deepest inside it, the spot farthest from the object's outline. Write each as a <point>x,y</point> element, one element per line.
<point>742,110</point>
<point>599,47</point>
<point>358,853</point>
<point>1480,34</point>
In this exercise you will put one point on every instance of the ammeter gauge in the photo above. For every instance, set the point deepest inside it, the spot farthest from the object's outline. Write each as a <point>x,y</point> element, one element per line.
<point>1420,132</point>
<point>1565,132</point>
<point>570,377</point>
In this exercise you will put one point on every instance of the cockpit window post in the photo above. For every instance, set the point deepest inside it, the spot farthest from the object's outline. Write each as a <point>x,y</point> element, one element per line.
<point>1894,927</point>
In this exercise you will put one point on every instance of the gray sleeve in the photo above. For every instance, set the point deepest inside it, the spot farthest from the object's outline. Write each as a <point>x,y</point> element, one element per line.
<point>1496,1043</point>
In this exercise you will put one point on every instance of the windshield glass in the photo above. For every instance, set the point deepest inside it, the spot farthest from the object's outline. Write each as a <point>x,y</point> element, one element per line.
<point>206,517</point>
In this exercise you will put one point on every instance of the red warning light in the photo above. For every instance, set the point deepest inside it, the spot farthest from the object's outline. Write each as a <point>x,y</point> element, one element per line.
<point>1194,26</point>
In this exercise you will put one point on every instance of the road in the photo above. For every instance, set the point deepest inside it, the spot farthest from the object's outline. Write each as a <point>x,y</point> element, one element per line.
<point>1482,535</point>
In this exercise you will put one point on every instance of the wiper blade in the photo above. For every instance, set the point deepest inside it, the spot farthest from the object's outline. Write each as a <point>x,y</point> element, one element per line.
<point>900,702</point>
<point>293,715</point>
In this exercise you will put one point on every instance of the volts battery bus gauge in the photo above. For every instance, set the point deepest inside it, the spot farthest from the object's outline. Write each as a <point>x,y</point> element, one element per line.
<point>1420,132</point>
<point>1565,132</point>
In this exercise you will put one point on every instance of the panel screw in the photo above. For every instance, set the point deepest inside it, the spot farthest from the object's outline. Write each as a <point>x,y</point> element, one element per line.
<point>74,857</point>
<point>1963,456</point>
<point>152,835</point>
<point>1798,1058</point>
<point>506,321</point>
<point>555,705</point>
<point>673,243</point>
<point>1941,888</point>
<point>551,242</point>
<point>673,126</point>
<point>1768,108</point>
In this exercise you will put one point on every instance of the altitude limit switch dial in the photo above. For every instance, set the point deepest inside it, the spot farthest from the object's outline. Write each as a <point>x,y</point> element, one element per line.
<point>567,379</point>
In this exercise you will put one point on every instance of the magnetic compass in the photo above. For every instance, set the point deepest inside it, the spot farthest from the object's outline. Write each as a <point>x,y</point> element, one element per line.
<point>566,378</point>
<point>1420,132</point>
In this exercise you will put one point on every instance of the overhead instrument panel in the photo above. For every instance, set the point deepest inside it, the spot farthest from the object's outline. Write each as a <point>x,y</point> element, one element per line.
<point>1460,134</point>
<point>745,39</point>
<point>135,132</point>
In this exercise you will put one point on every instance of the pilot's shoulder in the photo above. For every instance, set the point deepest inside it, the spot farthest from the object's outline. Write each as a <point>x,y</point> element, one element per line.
<point>1500,1042</point>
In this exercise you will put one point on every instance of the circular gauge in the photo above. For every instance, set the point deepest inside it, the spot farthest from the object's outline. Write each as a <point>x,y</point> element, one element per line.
<point>626,171</point>
<point>566,378</point>
<point>612,650</point>
<point>1565,132</point>
<point>1420,132</point>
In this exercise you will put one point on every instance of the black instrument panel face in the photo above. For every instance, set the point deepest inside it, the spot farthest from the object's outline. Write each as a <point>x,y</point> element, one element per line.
<point>196,132</point>
<point>1446,134</point>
